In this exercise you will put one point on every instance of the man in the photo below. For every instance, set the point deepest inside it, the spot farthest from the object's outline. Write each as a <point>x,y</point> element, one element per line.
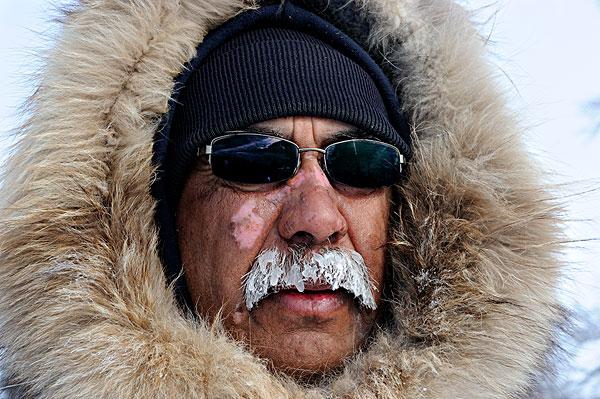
<point>282,224</point>
<point>216,199</point>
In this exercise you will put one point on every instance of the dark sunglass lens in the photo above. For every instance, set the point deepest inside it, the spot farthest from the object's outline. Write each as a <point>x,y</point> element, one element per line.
<point>363,163</point>
<point>253,159</point>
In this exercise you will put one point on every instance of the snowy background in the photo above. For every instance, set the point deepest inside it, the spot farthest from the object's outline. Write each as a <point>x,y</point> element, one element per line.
<point>547,58</point>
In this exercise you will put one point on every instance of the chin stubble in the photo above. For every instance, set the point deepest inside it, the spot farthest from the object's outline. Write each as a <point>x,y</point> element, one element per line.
<point>275,270</point>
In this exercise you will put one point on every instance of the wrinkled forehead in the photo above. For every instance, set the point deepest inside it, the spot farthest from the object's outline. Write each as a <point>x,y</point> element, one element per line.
<point>309,131</point>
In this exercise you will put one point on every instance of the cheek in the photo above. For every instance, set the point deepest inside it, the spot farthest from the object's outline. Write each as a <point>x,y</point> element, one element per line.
<point>255,217</point>
<point>199,220</point>
<point>246,225</point>
<point>368,220</point>
<point>220,234</point>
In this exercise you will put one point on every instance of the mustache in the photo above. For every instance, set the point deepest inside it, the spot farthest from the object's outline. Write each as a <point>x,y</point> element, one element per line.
<point>275,270</point>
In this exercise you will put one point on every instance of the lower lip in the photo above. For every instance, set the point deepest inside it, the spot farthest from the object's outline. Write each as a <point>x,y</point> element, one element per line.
<point>313,303</point>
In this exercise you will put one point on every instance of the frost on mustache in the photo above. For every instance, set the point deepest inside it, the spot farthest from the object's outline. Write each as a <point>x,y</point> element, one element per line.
<point>275,270</point>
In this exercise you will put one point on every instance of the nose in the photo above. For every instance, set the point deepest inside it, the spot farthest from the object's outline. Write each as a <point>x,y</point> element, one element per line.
<point>311,214</point>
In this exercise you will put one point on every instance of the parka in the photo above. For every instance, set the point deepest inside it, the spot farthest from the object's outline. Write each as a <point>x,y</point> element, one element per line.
<point>87,312</point>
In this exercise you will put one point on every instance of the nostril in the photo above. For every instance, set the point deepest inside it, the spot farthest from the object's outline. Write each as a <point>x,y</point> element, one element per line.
<point>303,238</point>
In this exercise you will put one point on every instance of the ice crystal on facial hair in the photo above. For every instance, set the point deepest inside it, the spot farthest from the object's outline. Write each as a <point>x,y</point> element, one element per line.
<point>275,270</point>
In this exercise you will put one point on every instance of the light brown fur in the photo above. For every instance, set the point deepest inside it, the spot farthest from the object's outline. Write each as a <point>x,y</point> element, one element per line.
<point>84,308</point>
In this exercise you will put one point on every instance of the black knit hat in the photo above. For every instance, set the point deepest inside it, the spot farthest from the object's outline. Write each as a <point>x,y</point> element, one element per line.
<point>272,62</point>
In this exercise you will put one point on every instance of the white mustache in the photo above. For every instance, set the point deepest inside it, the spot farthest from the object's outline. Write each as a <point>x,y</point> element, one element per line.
<point>275,270</point>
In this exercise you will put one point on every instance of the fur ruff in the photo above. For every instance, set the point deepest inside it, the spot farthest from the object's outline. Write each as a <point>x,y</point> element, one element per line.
<point>84,308</point>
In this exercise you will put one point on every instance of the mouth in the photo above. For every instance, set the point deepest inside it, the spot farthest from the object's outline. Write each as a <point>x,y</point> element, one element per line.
<point>317,300</point>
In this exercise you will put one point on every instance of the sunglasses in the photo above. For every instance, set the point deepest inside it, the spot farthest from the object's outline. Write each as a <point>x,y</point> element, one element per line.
<point>255,158</point>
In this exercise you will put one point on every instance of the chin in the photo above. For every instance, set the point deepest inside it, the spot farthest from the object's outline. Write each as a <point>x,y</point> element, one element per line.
<point>306,335</point>
<point>308,354</point>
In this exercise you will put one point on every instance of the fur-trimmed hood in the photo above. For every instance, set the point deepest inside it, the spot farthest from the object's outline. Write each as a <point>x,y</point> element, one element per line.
<point>85,309</point>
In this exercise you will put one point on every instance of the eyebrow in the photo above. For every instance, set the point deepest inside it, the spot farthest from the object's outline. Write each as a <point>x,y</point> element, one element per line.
<point>348,134</point>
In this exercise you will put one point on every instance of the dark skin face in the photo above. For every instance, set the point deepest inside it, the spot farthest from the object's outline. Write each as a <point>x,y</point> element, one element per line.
<point>224,226</point>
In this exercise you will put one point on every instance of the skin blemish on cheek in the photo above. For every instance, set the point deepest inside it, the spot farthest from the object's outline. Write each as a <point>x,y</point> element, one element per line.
<point>247,225</point>
<point>254,215</point>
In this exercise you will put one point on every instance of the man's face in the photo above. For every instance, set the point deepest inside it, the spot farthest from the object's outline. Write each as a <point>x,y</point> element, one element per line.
<point>224,226</point>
